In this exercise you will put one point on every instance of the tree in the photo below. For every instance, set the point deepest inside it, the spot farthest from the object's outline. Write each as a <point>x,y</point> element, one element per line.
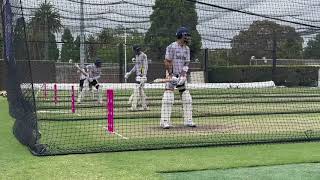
<point>109,40</point>
<point>92,46</point>
<point>76,50</point>
<point>259,39</point>
<point>19,41</point>
<point>45,22</point>
<point>67,46</point>
<point>313,48</point>
<point>167,17</point>
<point>53,51</point>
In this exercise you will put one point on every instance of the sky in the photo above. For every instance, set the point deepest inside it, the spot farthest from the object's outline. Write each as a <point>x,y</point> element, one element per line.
<point>216,26</point>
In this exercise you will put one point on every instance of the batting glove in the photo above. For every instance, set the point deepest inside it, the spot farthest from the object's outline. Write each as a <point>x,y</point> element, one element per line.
<point>127,75</point>
<point>182,80</point>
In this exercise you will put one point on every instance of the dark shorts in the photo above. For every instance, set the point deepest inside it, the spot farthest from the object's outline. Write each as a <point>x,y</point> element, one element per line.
<point>93,83</point>
<point>81,82</point>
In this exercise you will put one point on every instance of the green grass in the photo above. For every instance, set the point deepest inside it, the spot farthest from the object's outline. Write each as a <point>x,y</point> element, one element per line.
<point>16,162</point>
<point>282,172</point>
<point>225,116</point>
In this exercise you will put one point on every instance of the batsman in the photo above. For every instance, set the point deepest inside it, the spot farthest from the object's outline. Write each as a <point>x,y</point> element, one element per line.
<point>176,62</point>
<point>141,69</point>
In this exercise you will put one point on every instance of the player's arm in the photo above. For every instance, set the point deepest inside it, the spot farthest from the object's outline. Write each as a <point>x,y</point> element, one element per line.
<point>185,68</point>
<point>81,70</point>
<point>168,61</point>
<point>130,72</point>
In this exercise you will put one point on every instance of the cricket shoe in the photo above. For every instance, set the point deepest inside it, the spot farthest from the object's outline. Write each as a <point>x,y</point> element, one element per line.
<point>190,123</point>
<point>165,125</point>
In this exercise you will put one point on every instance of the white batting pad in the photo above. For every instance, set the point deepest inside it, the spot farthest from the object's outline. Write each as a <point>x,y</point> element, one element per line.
<point>166,108</point>
<point>187,105</point>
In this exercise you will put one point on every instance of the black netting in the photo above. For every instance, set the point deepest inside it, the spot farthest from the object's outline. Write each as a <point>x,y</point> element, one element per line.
<point>249,74</point>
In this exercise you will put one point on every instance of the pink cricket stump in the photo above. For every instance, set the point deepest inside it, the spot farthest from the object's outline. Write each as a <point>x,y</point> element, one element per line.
<point>45,91</point>
<point>110,108</point>
<point>73,106</point>
<point>55,97</point>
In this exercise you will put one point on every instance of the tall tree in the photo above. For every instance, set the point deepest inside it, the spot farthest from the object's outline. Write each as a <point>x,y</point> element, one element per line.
<point>45,22</point>
<point>313,48</point>
<point>76,50</point>
<point>259,40</point>
<point>167,17</point>
<point>20,49</point>
<point>107,43</point>
<point>67,46</point>
<point>53,51</point>
<point>92,46</point>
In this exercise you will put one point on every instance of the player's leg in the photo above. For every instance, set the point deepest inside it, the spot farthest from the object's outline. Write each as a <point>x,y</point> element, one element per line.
<point>166,109</point>
<point>81,91</point>
<point>90,89</point>
<point>98,88</point>
<point>134,99</point>
<point>143,98</point>
<point>187,106</point>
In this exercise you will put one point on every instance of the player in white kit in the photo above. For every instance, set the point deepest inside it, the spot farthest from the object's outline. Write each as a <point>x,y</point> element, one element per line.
<point>177,61</point>
<point>93,73</point>
<point>141,69</point>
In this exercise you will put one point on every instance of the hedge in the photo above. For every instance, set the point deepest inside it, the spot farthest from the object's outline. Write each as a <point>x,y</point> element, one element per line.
<point>284,75</point>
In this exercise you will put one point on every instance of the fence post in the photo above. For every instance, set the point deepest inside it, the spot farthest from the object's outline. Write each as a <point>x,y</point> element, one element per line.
<point>205,65</point>
<point>120,55</point>
<point>274,56</point>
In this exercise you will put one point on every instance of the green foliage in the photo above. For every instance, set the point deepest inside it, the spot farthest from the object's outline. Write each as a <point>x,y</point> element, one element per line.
<point>109,40</point>
<point>219,57</point>
<point>19,41</point>
<point>53,51</point>
<point>285,75</point>
<point>313,48</point>
<point>75,56</point>
<point>67,46</point>
<point>92,47</point>
<point>46,18</point>
<point>167,17</point>
<point>258,41</point>
<point>45,22</point>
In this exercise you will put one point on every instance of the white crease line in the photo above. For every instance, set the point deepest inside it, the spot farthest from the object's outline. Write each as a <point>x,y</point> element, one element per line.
<point>120,135</point>
<point>114,133</point>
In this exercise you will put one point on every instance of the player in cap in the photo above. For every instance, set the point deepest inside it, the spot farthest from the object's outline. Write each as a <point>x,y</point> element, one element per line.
<point>176,62</point>
<point>93,73</point>
<point>141,69</point>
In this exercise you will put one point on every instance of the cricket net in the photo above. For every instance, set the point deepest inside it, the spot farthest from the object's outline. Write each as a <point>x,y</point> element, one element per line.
<point>44,39</point>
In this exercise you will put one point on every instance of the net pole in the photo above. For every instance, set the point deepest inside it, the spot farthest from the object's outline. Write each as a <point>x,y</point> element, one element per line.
<point>82,37</point>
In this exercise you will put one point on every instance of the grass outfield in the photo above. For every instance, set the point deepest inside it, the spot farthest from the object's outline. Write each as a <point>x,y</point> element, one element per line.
<point>223,116</point>
<point>16,162</point>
